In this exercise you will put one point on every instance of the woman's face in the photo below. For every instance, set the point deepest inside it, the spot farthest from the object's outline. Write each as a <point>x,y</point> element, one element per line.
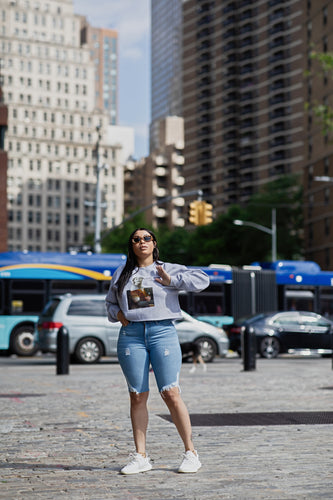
<point>143,244</point>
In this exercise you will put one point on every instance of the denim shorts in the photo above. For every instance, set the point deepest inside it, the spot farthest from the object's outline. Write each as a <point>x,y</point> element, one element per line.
<point>145,343</point>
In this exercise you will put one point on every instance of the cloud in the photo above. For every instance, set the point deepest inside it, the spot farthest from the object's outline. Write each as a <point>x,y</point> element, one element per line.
<point>131,18</point>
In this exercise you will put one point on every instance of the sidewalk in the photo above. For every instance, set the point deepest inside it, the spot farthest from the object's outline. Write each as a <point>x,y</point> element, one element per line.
<point>66,436</point>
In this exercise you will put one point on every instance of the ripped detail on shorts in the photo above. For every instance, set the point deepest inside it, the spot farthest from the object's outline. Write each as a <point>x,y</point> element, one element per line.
<point>170,386</point>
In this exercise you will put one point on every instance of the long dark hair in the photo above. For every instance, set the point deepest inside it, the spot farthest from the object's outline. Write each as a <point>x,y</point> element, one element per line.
<point>131,262</point>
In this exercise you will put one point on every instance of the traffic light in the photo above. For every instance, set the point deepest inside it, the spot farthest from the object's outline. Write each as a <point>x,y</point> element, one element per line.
<point>200,213</point>
<point>206,213</point>
<point>194,212</point>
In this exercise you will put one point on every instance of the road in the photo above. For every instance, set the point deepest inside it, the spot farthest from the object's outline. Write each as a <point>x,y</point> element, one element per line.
<point>261,434</point>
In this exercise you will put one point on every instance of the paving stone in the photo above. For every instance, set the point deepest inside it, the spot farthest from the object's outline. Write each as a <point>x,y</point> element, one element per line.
<point>67,436</point>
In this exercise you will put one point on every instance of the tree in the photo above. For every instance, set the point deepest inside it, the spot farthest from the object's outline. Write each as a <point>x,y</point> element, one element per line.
<point>322,110</point>
<point>221,242</point>
<point>115,241</point>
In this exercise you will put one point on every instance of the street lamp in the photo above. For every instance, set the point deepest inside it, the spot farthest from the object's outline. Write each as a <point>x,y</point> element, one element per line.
<point>265,229</point>
<point>323,178</point>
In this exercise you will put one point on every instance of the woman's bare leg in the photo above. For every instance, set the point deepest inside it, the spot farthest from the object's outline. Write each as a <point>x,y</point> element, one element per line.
<point>179,415</point>
<point>139,418</point>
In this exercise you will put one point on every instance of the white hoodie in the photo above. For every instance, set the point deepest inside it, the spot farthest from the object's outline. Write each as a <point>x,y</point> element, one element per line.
<point>144,299</point>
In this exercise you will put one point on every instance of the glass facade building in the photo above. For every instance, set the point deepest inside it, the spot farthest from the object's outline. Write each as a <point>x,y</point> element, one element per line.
<point>166,63</point>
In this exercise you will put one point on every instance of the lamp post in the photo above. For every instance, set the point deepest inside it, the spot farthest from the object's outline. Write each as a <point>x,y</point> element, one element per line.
<point>98,204</point>
<point>265,229</point>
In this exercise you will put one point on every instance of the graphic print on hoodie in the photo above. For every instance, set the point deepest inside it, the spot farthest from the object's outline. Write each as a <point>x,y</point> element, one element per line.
<point>138,296</point>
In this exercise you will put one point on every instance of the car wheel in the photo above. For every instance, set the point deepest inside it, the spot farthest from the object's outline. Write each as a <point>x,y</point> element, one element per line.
<point>208,349</point>
<point>22,341</point>
<point>88,350</point>
<point>269,347</point>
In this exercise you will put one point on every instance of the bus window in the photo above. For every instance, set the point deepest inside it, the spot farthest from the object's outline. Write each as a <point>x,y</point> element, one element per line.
<point>2,297</point>
<point>208,304</point>
<point>27,296</point>
<point>69,286</point>
<point>299,300</point>
<point>326,301</point>
<point>210,301</point>
<point>105,287</point>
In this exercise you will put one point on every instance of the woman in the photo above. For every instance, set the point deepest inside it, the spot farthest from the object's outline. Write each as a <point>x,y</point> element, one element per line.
<point>143,296</point>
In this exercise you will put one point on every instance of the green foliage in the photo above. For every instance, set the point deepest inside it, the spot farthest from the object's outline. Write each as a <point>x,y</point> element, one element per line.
<point>221,242</point>
<point>173,245</point>
<point>325,60</point>
<point>116,241</point>
<point>323,112</point>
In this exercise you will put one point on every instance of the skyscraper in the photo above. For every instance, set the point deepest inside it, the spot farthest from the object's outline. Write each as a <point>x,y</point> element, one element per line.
<point>103,46</point>
<point>166,64</point>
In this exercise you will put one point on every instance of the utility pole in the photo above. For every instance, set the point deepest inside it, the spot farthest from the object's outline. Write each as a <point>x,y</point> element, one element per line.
<point>98,204</point>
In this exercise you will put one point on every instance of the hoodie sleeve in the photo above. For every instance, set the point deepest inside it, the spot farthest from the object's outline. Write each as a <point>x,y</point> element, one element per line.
<point>111,300</point>
<point>182,278</point>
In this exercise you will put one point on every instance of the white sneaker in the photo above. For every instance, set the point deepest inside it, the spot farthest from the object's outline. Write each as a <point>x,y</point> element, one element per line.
<point>192,369</point>
<point>137,463</point>
<point>190,463</point>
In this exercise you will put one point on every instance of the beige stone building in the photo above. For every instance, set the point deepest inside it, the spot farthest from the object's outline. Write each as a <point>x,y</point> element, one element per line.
<point>3,174</point>
<point>158,179</point>
<point>48,86</point>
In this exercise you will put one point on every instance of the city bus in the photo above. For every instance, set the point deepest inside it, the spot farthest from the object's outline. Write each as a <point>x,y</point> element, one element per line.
<point>29,279</point>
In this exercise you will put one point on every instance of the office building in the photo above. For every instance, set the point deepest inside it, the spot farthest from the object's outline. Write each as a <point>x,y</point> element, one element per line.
<point>103,46</point>
<point>55,133</point>
<point>166,64</point>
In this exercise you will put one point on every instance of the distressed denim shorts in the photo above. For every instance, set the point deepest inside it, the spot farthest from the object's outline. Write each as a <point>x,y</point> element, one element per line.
<point>145,343</point>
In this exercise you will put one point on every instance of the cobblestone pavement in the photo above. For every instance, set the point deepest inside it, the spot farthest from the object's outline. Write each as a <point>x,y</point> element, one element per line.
<point>66,436</point>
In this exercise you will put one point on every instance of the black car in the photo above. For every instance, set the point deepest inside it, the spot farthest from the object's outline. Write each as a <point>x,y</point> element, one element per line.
<point>278,332</point>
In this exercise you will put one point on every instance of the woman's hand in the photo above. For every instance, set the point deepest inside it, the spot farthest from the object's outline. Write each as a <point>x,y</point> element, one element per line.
<point>122,319</point>
<point>164,277</point>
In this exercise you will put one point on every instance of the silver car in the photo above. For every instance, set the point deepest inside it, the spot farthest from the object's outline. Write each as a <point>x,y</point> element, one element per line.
<point>91,335</point>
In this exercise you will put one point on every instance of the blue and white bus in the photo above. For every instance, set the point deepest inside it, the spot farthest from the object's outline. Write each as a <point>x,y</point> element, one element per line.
<point>29,279</point>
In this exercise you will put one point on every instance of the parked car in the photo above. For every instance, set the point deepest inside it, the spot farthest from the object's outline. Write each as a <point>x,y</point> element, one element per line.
<point>91,335</point>
<point>278,332</point>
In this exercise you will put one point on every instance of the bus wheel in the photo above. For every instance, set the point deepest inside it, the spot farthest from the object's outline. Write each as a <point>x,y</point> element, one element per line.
<point>22,341</point>
<point>88,350</point>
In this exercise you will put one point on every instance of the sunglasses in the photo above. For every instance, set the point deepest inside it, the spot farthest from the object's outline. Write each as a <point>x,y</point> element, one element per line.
<point>146,238</point>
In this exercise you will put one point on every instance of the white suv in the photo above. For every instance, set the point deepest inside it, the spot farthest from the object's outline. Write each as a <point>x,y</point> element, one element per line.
<point>91,335</point>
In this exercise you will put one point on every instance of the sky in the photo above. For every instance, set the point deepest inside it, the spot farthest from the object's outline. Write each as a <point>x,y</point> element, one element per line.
<point>131,18</point>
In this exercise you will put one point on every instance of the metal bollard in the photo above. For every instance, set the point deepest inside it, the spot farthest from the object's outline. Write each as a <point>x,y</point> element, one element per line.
<point>249,348</point>
<point>62,351</point>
